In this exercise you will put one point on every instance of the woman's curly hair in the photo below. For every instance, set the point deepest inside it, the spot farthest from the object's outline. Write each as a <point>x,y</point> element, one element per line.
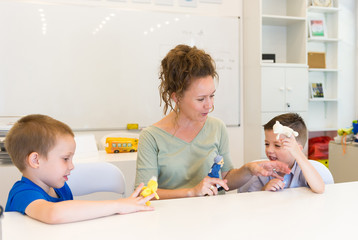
<point>179,68</point>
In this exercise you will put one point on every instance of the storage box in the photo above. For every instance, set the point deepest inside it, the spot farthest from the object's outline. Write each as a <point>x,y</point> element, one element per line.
<point>316,60</point>
<point>268,58</point>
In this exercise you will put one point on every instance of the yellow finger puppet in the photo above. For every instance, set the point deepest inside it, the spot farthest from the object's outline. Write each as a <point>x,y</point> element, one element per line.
<point>151,188</point>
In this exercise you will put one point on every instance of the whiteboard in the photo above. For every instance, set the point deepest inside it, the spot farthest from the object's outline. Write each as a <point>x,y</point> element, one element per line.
<point>97,67</point>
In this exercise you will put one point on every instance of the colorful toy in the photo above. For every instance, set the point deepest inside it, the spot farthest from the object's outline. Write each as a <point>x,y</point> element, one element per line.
<point>345,131</point>
<point>279,129</point>
<point>344,135</point>
<point>132,126</point>
<point>355,126</point>
<point>151,188</point>
<point>215,168</point>
<point>120,145</point>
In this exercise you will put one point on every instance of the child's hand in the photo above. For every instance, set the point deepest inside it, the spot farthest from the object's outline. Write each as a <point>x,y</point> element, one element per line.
<point>290,144</point>
<point>274,185</point>
<point>134,203</point>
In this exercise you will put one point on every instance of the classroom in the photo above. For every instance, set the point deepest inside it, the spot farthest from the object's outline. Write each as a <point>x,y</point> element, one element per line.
<point>94,65</point>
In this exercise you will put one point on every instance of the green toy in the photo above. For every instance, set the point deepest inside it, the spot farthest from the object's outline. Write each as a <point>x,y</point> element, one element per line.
<point>344,131</point>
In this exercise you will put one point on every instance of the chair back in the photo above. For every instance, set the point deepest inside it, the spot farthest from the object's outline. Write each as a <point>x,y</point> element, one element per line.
<point>87,178</point>
<point>323,171</point>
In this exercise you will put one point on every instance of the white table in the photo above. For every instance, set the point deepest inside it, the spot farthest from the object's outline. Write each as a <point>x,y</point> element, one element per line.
<point>289,214</point>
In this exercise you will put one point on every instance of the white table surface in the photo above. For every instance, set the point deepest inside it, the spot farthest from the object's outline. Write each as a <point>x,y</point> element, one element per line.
<point>289,214</point>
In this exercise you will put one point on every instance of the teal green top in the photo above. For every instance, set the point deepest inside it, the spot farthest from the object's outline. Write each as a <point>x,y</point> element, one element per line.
<point>179,164</point>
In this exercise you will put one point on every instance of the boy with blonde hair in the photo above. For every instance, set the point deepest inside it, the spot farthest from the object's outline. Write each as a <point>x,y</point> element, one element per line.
<point>42,149</point>
<point>289,150</point>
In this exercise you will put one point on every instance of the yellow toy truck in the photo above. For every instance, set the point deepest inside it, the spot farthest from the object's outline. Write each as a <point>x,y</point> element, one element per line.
<point>121,145</point>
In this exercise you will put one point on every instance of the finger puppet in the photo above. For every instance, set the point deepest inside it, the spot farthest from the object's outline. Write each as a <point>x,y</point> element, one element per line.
<point>151,188</point>
<point>215,168</point>
<point>279,129</point>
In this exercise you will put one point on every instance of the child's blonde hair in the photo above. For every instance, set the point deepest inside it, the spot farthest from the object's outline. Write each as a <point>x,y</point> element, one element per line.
<point>33,133</point>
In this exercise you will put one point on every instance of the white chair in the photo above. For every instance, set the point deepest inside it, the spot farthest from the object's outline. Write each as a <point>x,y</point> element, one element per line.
<point>323,171</point>
<point>92,177</point>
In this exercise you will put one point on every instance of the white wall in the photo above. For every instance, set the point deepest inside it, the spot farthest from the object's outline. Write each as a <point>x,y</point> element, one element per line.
<point>226,8</point>
<point>347,89</point>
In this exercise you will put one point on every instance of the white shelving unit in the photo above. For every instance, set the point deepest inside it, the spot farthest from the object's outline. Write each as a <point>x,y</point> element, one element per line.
<point>280,27</point>
<point>282,21</point>
<point>323,113</point>
<point>273,27</point>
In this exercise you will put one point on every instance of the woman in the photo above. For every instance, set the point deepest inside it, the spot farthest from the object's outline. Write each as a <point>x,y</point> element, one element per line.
<point>180,149</point>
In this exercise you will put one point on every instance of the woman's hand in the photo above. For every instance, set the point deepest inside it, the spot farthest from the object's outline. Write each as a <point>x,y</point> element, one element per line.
<point>268,168</point>
<point>208,187</point>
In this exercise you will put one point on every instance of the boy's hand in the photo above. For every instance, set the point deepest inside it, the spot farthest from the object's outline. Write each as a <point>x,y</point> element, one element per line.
<point>268,168</point>
<point>290,144</point>
<point>135,203</point>
<point>274,185</point>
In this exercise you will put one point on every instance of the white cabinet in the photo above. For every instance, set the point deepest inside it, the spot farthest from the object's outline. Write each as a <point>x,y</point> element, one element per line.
<point>284,89</point>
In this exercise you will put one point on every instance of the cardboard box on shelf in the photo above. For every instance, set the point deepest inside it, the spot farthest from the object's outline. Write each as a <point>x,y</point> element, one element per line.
<point>316,60</point>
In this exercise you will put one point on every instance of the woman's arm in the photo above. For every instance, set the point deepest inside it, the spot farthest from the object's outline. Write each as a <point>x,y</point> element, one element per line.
<point>236,178</point>
<point>147,158</point>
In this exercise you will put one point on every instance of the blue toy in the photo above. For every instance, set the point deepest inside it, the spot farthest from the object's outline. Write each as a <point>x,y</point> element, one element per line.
<point>215,168</point>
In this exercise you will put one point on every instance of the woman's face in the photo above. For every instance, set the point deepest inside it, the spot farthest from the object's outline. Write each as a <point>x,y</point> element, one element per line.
<point>198,99</point>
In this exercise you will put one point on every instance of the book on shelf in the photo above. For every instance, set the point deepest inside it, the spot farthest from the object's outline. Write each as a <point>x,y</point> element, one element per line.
<point>321,3</point>
<point>317,90</point>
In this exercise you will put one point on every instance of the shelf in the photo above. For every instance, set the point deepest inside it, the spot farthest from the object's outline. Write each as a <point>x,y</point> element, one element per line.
<point>328,40</point>
<point>322,129</point>
<point>323,70</point>
<point>277,20</point>
<point>283,65</point>
<point>323,100</point>
<point>323,9</point>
